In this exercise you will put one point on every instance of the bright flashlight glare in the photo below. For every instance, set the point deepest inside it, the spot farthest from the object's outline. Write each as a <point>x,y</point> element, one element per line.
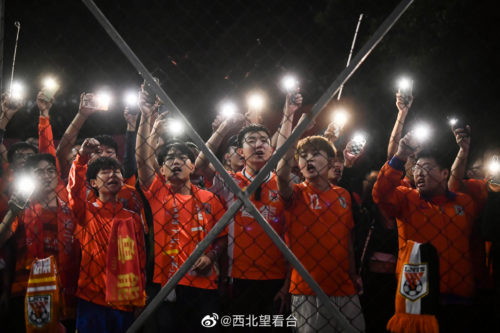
<point>25,185</point>
<point>50,83</point>
<point>494,165</point>
<point>422,132</point>
<point>359,138</point>
<point>131,98</point>
<point>103,100</point>
<point>340,117</point>
<point>256,101</point>
<point>453,121</point>
<point>228,109</point>
<point>175,127</point>
<point>404,84</point>
<point>290,83</point>
<point>17,90</point>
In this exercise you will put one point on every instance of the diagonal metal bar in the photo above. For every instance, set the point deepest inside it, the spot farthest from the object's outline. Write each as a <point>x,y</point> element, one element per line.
<point>331,91</point>
<point>139,66</point>
<point>345,75</point>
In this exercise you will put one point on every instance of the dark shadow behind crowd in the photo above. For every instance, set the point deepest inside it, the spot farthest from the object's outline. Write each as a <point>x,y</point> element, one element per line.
<point>412,247</point>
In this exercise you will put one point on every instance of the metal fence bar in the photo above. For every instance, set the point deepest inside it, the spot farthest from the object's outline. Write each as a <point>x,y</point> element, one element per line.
<point>325,98</point>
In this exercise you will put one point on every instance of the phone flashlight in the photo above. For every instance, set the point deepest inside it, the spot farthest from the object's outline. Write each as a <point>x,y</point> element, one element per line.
<point>340,117</point>
<point>228,109</point>
<point>25,185</point>
<point>405,87</point>
<point>50,87</point>
<point>130,99</point>
<point>358,142</point>
<point>256,101</point>
<point>421,132</point>
<point>17,91</point>
<point>494,170</point>
<point>291,84</point>
<point>175,127</point>
<point>103,99</point>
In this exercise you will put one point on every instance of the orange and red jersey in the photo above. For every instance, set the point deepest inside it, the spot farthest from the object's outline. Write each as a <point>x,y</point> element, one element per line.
<point>319,225</point>
<point>477,189</point>
<point>180,223</point>
<point>444,221</point>
<point>95,222</point>
<point>252,254</point>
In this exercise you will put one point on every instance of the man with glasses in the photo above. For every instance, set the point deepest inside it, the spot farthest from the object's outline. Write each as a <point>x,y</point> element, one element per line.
<point>431,213</point>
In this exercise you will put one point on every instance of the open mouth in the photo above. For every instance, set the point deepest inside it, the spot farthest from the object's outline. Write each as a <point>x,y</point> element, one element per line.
<point>311,168</point>
<point>259,153</point>
<point>420,182</point>
<point>176,170</point>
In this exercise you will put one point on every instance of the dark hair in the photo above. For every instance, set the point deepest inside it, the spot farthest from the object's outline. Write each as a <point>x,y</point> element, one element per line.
<point>231,142</point>
<point>315,142</point>
<point>253,128</point>
<point>19,146</point>
<point>442,159</point>
<point>107,140</point>
<point>162,151</point>
<point>32,161</point>
<point>102,163</point>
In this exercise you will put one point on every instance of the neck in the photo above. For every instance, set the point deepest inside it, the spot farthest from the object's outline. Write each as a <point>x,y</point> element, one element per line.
<point>48,200</point>
<point>320,182</point>
<point>107,197</point>
<point>181,188</point>
<point>252,170</point>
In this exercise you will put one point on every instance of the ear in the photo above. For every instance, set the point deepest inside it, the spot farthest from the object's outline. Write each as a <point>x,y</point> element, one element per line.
<point>445,173</point>
<point>240,151</point>
<point>93,183</point>
<point>191,167</point>
<point>226,156</point>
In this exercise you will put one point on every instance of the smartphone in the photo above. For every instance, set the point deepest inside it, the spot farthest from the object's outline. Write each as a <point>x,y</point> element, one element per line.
<point>459,123</point>
<point>407,93</point>
<point>89,101</point>
<point>495,178</point>
<point>49,92</point>
<point>151,94</point>
<point>356,147</point>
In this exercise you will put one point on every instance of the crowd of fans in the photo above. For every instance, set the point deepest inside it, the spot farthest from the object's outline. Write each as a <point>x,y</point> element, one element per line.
<point>406,250</point>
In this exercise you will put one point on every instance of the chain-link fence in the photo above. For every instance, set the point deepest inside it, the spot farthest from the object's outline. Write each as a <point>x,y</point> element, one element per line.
<point>269,225</point>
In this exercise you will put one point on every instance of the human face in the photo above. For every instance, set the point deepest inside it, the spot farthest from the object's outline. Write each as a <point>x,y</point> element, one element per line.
<point>234,161</point>
<point>108,181</point>
<point>177,167</point>
<point>45,174</point>
<point>314,164</point>
<point>20,157</point>
<point>335,172</point>
<point>105,151</point>
<point>476,171</point>
<point>430,179</point>
<point>256,149</point>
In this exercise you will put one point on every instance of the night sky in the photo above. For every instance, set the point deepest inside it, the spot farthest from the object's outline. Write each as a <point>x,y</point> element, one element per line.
<point>207,51</point>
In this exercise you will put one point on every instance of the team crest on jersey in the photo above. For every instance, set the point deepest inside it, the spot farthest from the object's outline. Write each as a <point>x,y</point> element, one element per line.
<point>207,207</point>
<point>273,196</point>
<point>459,210</point>
<point>38,310</point>
<point>343,202</point>
<point>414,281</point>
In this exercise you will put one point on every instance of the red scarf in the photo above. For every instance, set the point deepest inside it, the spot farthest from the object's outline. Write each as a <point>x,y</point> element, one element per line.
<point>124,279</point>
<point>67,250</point>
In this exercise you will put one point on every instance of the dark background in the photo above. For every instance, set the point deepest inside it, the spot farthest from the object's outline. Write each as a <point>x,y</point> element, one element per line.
<point>207,51</point>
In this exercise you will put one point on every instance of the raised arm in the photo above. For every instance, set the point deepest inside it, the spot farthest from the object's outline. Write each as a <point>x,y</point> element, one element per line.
<point>71,134</point>
<point>9,109</point>
<point>144,151</point>
<point>285,164</point>
<point>403,109</point>
<point>462,136</point>
<point>202,164</point>
<point>129,162</point>
<point>45,136</point>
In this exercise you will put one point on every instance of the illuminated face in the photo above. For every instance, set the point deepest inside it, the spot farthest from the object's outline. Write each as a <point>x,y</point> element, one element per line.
<point>177,167</point>
<point>20,157</point>
<point>108,181</point>
<point>335,172</point>
<point>314,163</point>
<point>104,151</point>
<point>45,174</point>
<point>233,160</point>
<point>256,149</point>
<point>476,171</point>
<point>430,179</point>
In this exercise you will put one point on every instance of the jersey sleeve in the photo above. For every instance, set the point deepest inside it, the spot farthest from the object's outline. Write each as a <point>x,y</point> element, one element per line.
<point>77,191</point>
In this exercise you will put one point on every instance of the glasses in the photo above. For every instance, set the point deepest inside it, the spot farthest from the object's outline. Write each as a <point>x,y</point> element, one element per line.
<point>51,172</point>
<point>22,156</point>
<point>110,172</point>
<point>426,168</point>
<point>169,159</point>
